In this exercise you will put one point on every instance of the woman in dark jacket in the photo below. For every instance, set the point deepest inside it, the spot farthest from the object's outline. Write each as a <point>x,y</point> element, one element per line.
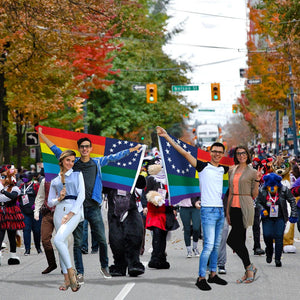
<point>272,200</point>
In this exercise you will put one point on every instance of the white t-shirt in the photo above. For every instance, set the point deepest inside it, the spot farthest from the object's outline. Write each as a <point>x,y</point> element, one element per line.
<point>211,183</point>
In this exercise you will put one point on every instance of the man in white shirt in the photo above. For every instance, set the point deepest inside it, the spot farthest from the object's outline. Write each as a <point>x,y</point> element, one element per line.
<point>212,212</point>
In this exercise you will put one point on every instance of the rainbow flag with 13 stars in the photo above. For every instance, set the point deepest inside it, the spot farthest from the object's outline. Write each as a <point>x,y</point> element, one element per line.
<point>119,175</point>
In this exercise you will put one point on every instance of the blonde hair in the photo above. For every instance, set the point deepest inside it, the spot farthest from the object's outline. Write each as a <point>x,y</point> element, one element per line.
<point>63,155</point>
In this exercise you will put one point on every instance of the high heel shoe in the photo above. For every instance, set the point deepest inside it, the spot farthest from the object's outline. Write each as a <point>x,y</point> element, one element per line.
<point>74,284</point>
<point>253,269</point>
<point>64,286</point>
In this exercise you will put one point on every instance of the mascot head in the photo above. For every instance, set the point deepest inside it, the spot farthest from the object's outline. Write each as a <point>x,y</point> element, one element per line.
<point>272,182</point>
<point>281,166</point>
<point>8,178</point>
<point>256,163</point>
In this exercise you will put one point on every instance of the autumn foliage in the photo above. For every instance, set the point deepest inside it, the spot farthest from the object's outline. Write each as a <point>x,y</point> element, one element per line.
<point>273,49</point>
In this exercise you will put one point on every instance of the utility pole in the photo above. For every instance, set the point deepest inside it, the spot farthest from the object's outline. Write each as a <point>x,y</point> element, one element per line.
<point>277,131</point>
<point>293,115</point>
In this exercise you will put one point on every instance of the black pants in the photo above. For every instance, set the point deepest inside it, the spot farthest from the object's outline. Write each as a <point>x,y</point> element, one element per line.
<point>237,236</point>
<point>11,237</point>
<point>256,229</point>
<point>159,243</point>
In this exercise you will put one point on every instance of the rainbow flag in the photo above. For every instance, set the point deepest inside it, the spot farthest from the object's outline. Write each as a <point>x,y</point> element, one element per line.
<point>120,175</point>
<point>182,177</point>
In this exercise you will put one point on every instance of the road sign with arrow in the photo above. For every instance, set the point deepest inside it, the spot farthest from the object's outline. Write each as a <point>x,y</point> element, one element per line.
<point>32,139</point>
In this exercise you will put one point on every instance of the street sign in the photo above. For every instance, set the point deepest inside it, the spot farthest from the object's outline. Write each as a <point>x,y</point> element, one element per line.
<point>184,88</point>
<point>137,87</point>
<point>32,153</point>
<point>206,109</point>
<point>31,139</point>
<point>285,122</point>
<point>254,81</point>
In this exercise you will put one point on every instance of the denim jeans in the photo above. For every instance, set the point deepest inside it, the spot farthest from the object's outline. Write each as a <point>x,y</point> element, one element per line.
<point>35,226</point>
<point>273,228</point>
<point>94,217</point>
<point>212,220</point>
<point>188,214</point>
<point>85,243</point>
<point>222,256</point>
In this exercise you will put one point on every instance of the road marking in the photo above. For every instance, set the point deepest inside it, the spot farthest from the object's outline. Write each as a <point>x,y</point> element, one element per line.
<point>125,290</point>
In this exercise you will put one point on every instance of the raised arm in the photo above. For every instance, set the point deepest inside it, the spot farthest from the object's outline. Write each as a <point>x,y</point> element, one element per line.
<point>190,158</point>
<point>46,140</point>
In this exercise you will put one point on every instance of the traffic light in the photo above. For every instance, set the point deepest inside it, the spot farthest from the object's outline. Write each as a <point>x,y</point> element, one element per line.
<point>234,108</point>
<point>215,91</point>
<point>151,93</point>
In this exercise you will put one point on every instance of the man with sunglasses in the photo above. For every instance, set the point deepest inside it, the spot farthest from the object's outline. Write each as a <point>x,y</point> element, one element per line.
<point>91,170</point>
<point>212,212</point>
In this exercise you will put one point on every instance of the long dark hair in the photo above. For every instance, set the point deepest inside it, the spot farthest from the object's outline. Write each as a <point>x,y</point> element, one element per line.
<point>236,162</point>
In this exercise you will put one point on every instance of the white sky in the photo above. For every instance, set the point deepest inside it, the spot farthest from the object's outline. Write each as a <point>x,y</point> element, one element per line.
<point>216,31</point>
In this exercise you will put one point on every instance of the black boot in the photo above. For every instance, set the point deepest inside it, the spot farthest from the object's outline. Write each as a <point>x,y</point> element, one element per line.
<point>136,269</point>
<point>51,261</point>
<point>278,263</point>
<point>116,271</point>
<point>269,254</point>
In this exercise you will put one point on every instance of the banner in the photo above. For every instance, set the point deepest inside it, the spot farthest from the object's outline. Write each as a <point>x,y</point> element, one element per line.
<point>119,175</point>
<point>182,177</point>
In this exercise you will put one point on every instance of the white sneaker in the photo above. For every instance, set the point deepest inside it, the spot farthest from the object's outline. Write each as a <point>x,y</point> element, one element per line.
<point>196,252</point>
<point>189,254</point>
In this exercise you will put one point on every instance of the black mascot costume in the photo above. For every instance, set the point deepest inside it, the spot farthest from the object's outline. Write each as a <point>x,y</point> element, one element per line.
<point>125,230</point>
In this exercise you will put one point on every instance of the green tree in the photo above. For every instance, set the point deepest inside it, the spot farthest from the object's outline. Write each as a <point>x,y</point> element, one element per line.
<point>119,110</point>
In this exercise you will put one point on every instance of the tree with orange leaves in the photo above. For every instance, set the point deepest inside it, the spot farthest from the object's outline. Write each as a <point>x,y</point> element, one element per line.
<point>52,52</point>
<point>273,46</point>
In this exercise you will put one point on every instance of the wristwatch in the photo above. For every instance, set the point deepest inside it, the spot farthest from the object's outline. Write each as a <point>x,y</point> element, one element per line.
<point>2,191</point>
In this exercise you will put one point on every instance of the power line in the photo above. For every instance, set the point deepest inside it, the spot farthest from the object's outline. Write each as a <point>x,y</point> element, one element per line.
<point>177,68</point>
<point>205,14</point>
<point>229,17</point>
<point>205,46</point>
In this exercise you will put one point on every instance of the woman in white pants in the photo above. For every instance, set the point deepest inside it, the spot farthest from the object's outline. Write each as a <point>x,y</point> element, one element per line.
<point>67,193</point>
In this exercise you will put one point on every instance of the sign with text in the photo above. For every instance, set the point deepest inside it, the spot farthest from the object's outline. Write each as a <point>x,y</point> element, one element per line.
<point>254,81</point>
<point>184,88</point>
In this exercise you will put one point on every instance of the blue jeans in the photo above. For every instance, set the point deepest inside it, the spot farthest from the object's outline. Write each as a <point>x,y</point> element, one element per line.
<point>35,226</point>
<point>273,228</point>
<point>94,217</point>
<point>188,214</point>
<point>212,220</point>
<point>85,243</point>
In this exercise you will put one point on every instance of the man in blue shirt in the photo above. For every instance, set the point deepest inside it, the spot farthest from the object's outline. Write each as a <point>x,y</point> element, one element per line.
<point>91,170</point>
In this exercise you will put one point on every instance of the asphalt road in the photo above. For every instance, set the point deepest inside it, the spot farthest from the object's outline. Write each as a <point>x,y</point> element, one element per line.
<point>25,281</point>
